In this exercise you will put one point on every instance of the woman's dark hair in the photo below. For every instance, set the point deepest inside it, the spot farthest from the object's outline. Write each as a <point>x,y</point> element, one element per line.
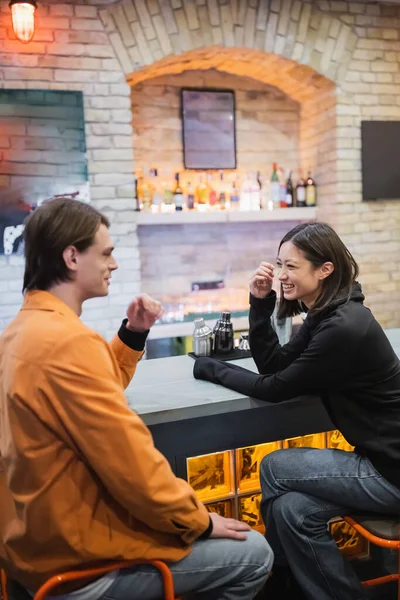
<point>320,244</point>
<point>55,225</point>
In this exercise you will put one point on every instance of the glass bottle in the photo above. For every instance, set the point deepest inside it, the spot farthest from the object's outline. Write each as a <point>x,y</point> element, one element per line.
<point>311,191</point>
<point>167,205</point>
<point>147,191</point>
<point>282,188</point>
<point>202,194</point>
<point>274,188</point>
<point>289,191</point>
<point>264,194</point>
<point>157,191</point>
<point>177,194</point>
<point>301,192</point>
<point>234,197</point>
<point>212,192</point>
<point>136,194</point>
<point>190,196</point>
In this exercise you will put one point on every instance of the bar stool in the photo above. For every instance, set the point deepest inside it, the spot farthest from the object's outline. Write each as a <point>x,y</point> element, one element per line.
<point>382,531</point>
<point>57,580</point>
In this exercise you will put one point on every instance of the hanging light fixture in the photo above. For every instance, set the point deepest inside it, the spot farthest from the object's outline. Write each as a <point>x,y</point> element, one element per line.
<point>23,19</point>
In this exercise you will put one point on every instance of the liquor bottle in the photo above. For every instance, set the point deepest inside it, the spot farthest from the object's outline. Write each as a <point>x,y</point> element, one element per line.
<point>282,188</point>
<point>167,205</point>
<point>220,191</point>
<point>146,191</point>
<point>265,200</point>
<point>136,194</point>
<point>190,196</point>
<point>157,191</point>
<point>311,191</point>
<point>255,197</point>
<point>212,193</point>
<point>301,192</point>
<point>289,190</point>
<point>223,335</point>
<point>245,194</point>
<point>202,195</point>
<point>259,182</point>
<point>178,194</point>
<point>234,197</point>
<point>274,188</point>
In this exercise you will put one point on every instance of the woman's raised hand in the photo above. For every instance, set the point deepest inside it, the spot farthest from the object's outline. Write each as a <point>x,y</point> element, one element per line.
<point>261,281</point>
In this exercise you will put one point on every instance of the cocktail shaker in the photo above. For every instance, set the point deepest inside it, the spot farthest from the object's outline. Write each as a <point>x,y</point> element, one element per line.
<point>202,338</point>
<point>223,334</point>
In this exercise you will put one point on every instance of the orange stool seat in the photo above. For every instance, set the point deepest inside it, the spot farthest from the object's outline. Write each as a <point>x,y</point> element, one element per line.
<point>52,583</point>
<point>382,531</point>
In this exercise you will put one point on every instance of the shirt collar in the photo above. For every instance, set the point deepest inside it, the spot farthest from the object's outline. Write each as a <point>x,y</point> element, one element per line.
<point>42,300</point>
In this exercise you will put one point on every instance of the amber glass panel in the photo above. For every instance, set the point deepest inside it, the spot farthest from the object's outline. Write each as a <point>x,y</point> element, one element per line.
<point>211,475</point>
<point>223,508</point>
<point>248,465</point>
<point>348,540</point>
<point>249,511</point>
<point>335,439</point>
<point>312,440</point>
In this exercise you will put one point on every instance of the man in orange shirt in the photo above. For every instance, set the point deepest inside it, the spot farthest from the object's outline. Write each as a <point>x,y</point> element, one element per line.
<point>80,479</point>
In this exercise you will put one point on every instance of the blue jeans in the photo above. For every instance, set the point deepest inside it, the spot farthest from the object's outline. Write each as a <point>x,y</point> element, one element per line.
<point>216,569</point>
<point>302,489</point>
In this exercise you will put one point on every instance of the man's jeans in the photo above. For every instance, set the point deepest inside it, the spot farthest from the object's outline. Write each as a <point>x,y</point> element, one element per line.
<point>302,488</point>
<point>216,569</point>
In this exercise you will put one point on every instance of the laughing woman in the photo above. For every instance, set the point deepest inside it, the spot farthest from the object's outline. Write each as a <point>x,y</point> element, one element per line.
<point>342,354</point>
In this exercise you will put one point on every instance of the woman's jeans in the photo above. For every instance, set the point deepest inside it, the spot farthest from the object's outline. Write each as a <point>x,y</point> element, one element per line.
<point>216,569</point>
<point>302,489</point>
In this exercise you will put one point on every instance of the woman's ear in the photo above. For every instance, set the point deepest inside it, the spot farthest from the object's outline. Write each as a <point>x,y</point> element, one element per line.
<point>326,270</point>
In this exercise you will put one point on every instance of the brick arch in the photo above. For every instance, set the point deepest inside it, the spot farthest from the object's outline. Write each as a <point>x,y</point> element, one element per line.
<point>316,42</point>
<point>300,82</point>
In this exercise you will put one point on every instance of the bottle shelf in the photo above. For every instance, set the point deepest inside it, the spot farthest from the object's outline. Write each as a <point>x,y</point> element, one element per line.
<point>225,216</point>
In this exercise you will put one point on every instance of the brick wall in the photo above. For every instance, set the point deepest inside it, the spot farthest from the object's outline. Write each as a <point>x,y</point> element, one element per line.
<point>194,253</point>
<point>71,51</point>
<point>303,48</point>
<point>267,121</point>
<point>42,143</point>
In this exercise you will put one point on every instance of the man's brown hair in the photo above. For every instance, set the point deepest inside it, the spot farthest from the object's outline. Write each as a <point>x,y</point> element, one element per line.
<point>55,225</point>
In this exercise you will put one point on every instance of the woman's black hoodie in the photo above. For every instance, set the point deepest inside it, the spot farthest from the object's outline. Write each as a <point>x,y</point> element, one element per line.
<point>342,355</point>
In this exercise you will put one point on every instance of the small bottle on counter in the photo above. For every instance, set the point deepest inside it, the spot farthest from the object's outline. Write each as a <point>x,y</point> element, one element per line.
<point>223,334</point>
<point>202,338</point>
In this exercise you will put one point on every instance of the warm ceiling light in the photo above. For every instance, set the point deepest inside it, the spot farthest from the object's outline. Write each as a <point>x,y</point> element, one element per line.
<point>23,19</point>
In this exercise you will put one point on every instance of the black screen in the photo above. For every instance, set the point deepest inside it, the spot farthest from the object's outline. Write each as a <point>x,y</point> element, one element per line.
<point>209,140</point>
<point>380,157</point>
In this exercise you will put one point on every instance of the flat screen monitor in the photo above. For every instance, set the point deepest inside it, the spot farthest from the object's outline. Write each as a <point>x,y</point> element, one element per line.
<point>380,160</point>
<point>208,128</point>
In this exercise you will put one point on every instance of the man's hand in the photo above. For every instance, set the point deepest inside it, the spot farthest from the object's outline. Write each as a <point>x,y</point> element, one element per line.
<point>261,281</point>
<point>143,312</point>
<point>228,528</point>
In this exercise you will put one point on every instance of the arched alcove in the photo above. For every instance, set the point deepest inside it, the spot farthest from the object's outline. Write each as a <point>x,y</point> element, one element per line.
<point>314,93</point>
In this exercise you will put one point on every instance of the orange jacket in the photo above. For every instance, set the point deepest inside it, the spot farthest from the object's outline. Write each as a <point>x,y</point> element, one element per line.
<point>80,479</point>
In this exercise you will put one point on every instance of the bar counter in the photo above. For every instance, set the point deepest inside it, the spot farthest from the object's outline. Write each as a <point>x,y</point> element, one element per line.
<point>188,417</point>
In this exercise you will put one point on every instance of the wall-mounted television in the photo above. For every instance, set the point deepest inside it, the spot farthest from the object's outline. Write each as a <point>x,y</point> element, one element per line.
<point>380,160</point>
<point>208,129</point>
